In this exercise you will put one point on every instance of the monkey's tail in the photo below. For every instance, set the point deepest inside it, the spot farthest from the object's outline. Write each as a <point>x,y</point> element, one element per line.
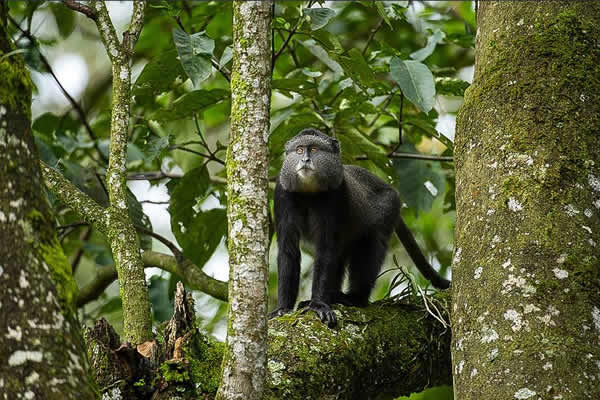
<point>415,253</point>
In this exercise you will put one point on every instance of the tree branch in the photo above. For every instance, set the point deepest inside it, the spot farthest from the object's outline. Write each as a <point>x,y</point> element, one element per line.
<point>388,349</point>
<point>107,30</point>
<point>81,203</point>
<point>81,8</point>
<point>412,156</point>
<point>137,316</point>
<point>193,276</point>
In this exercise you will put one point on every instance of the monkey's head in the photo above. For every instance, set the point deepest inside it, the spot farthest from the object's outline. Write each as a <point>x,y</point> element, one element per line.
<point>312,163</point>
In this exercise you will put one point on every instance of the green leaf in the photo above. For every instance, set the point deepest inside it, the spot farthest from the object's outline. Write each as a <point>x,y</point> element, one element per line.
<point>322,55</point>
<point>197,232</point>
<point>382,13</point>
<point>195,52</point>
<point>293,85</point>
<point>354,143</point>
<point>158,290</point>
<point>419,182</point>
<point>226,56</point>
<point>191,103</point>
<point>158,75</point>
<point>319,17</point>
<point>451,86</point>
<point>156,146</point>
<point>415,81</point>
<point>64,17</point>
<point>356,67</point>
<point>432,41</point>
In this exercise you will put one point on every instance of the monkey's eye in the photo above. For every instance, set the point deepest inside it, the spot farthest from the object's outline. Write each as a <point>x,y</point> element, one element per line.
<point>313,149</point>
<point>299,150</point>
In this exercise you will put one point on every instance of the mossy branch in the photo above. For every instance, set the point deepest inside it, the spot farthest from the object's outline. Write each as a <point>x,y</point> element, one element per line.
<point>81,203</point>
<point>386,350</point>
<point>118,227</point>
<point>193,277</point>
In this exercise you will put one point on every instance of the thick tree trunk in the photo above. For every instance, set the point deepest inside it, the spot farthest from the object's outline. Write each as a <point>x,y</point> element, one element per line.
<point>244,363</point>
<point>43,355</point>
<point>526,300</point>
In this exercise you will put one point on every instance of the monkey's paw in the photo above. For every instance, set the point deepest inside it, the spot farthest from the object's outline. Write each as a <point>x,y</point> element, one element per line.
<point>323,311</point>
<point>278,312</point>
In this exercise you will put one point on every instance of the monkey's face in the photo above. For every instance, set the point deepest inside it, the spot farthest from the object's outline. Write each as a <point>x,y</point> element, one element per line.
<point>312,164</point>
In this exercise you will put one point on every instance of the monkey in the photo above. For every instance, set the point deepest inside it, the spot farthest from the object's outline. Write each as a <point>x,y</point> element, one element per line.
<point>347,213</point>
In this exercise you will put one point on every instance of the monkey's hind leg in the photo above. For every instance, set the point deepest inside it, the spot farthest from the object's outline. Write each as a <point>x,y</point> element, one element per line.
<point>364,267</point>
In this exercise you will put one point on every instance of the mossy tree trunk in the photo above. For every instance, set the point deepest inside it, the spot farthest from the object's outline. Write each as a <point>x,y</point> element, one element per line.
<point>245,359</point>
<point>43,353</point>
<point>526,300</point>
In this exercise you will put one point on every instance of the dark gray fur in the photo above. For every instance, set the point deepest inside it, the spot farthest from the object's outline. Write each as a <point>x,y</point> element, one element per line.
<point>346,212</point>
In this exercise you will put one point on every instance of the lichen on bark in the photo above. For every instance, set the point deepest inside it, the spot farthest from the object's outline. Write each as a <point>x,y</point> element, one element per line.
<point>528,206</point>
<point>244,363</point>
<point>44,355</point>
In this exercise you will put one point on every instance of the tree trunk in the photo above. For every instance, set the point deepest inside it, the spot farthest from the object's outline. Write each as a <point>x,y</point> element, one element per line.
<point>244,363</point>
<point>526,316</point>
<point>43,353</point>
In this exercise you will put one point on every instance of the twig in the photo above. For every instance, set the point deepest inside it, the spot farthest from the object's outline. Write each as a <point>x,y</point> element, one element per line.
<point>372,35</point>
<point>151,176</point>
<point>71,226</point>
<point>154,202</point>
<point>412,156</point>
<point>284,45</point>
<point>77,259</point>
<point>223,70</point>
<point>81,8</point>
<point>399,124</point>
<point>170,245</point>
<point>76,106</point>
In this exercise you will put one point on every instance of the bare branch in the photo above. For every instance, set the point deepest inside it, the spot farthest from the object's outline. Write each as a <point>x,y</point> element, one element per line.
<point>107,30</point>
<point>81,8</point>
<point>412,156</point>
<point>193,277</point>
<point>131,36</point>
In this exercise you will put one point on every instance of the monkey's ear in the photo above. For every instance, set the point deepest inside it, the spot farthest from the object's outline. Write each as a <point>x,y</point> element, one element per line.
<point>335,144</point>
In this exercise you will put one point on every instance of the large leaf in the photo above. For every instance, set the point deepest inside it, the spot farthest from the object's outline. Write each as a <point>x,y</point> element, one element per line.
<point>322,55</point>
<point>416,82</point>
<point>356,67</point>
<point>432,41</point>
<point>195,52</point>
<point>158,76</point>
<point>191,103</point>
<point>197,232</point>
<point>382,13</point>
<point>319,17</point>
<point>419,182</point>
<point>65,19</point>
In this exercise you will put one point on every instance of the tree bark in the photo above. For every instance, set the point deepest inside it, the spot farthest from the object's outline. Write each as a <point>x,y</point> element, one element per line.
<point>244,363</point>
<point>389,349</point>
<point>386,350</point>
<point>526,271</point>
<point>43,352</point>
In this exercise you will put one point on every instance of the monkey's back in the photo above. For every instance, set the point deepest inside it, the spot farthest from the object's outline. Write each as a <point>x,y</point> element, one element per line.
<point>372,203</point>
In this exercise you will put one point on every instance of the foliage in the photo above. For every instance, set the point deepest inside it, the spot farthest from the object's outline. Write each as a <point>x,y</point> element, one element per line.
<point>374,74</point>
